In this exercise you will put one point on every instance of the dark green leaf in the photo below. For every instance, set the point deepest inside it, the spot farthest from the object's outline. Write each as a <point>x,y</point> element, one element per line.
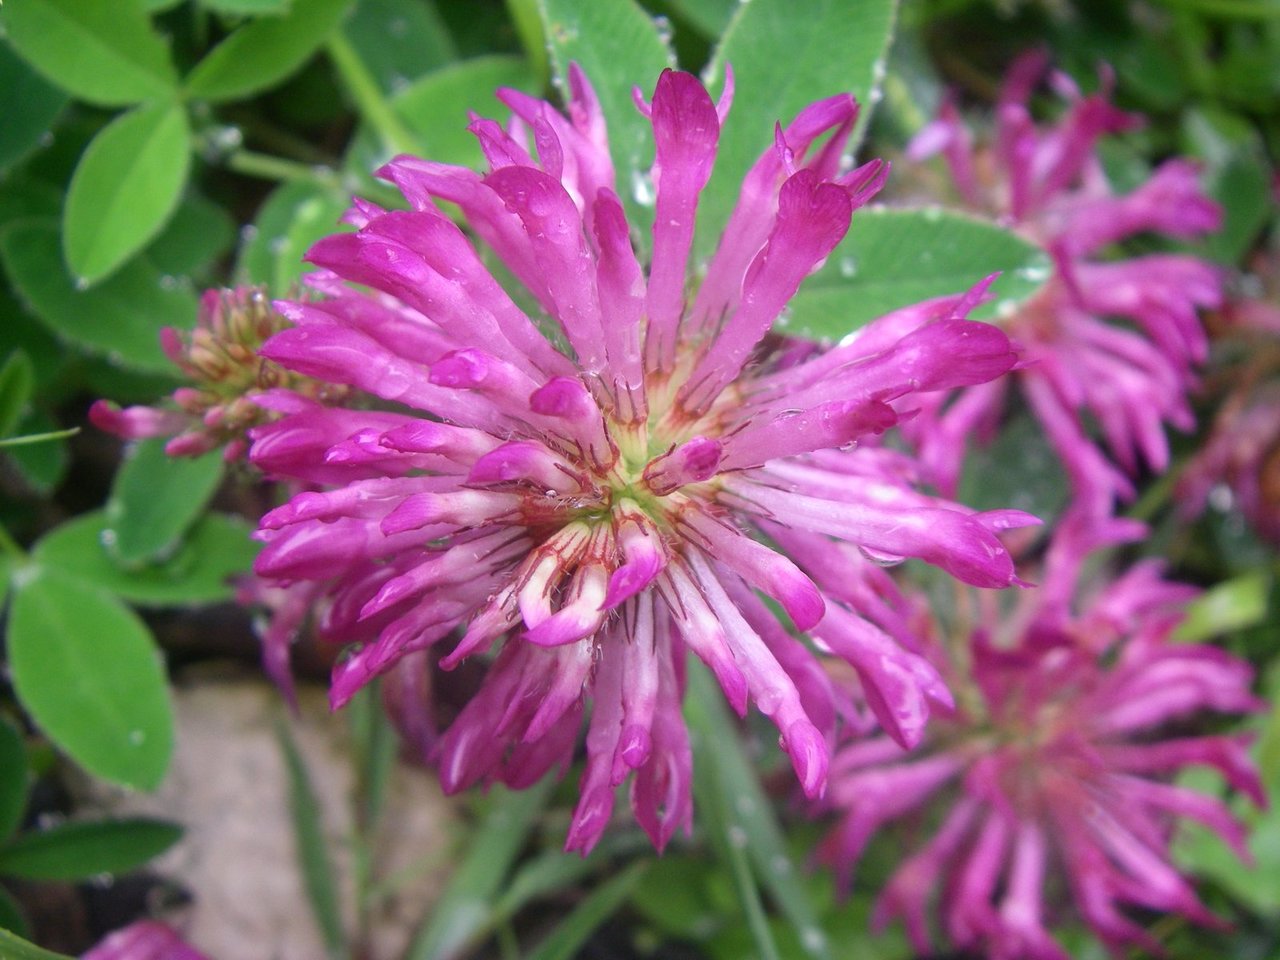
<point>125,188</point>
<point>1017,470</point>
<point>13,947</point>
<point>77,851</point>
<point>154,500</point>
<point>217,549</point>
<point>569,935</point>
<point>13,778</point>
<point>399,40</point>
<point>708,17</point>
<point>42,465</point>
<point>619,47</point>
<point>120,317</point>
<point>785,55</point>
<point>87,670</point>
<point>252,8</point>
<point>17,380</point>
<point>11,916</point>
<point>102,51</point>
<point>28,107</point>
<point>199,232</point>
<point>313,850</point>
<point>893,258</point>
<point>465,904</point>
<point>294,217</point>
<point>264,52</point>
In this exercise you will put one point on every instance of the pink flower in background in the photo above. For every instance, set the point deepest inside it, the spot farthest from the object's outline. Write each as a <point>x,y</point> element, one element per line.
<point>1129,378</point>
<point>1238,468</point>
<point>1057,764</point>
<point>225,372</point>
<point>579,489</point>
<point>144,940</point>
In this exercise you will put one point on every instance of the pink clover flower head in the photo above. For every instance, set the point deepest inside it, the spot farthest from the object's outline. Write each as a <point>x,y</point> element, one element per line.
<point>1238,468</point>
<point>225,372</point>
<point>1057,764</point>
<point>1133,378</point>
<point>584,501</point>
<point>144,940</point>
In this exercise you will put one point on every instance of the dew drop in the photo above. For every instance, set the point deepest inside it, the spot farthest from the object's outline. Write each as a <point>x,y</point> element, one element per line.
<point>781,865</point>
<point>813,938</point>
<point>82,283</point>
<point>137,737</point>
<point>45,139</point>
<point>932,214</point>
<point>738,837</point>
<point>168,282</point>
<point>848,267</point>
<point>1038,273</point>
<point>1006,309</point>
<point>397,26</point>
<point>642,190</point>
<point>1221,498</point>
<point>664,28</point>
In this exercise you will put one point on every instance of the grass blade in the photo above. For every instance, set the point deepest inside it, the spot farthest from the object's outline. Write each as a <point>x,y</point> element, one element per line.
<point>463,911</point>
<point>313,852</point>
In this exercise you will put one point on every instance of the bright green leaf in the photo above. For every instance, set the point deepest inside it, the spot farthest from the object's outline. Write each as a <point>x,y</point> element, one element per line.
<point>264,52</point>
<point>154,500</point>
<point>217,549</point>
<point>1233,605</point>
<point>17,380</point>
<point>785,55</point>
<point>120,318</point>
<point>78,851</point>
<point>28,107</point>
<point>893,258</point>
<point>125,188</point>
<point>13,947</point>
<point>619,47</point>
<point>13,778</point>
<point>89,673</point>
<point>102,51</point>
<point>399,40</point>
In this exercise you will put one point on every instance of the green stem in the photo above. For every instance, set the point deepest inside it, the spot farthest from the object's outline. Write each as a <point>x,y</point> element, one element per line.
<point>266,167</point>
<point>749,893</point>
<point>371,104</point>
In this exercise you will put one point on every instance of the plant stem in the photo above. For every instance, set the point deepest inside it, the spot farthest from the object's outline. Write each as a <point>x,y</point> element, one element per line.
<point>372,106</point>
<point>266,167</point>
